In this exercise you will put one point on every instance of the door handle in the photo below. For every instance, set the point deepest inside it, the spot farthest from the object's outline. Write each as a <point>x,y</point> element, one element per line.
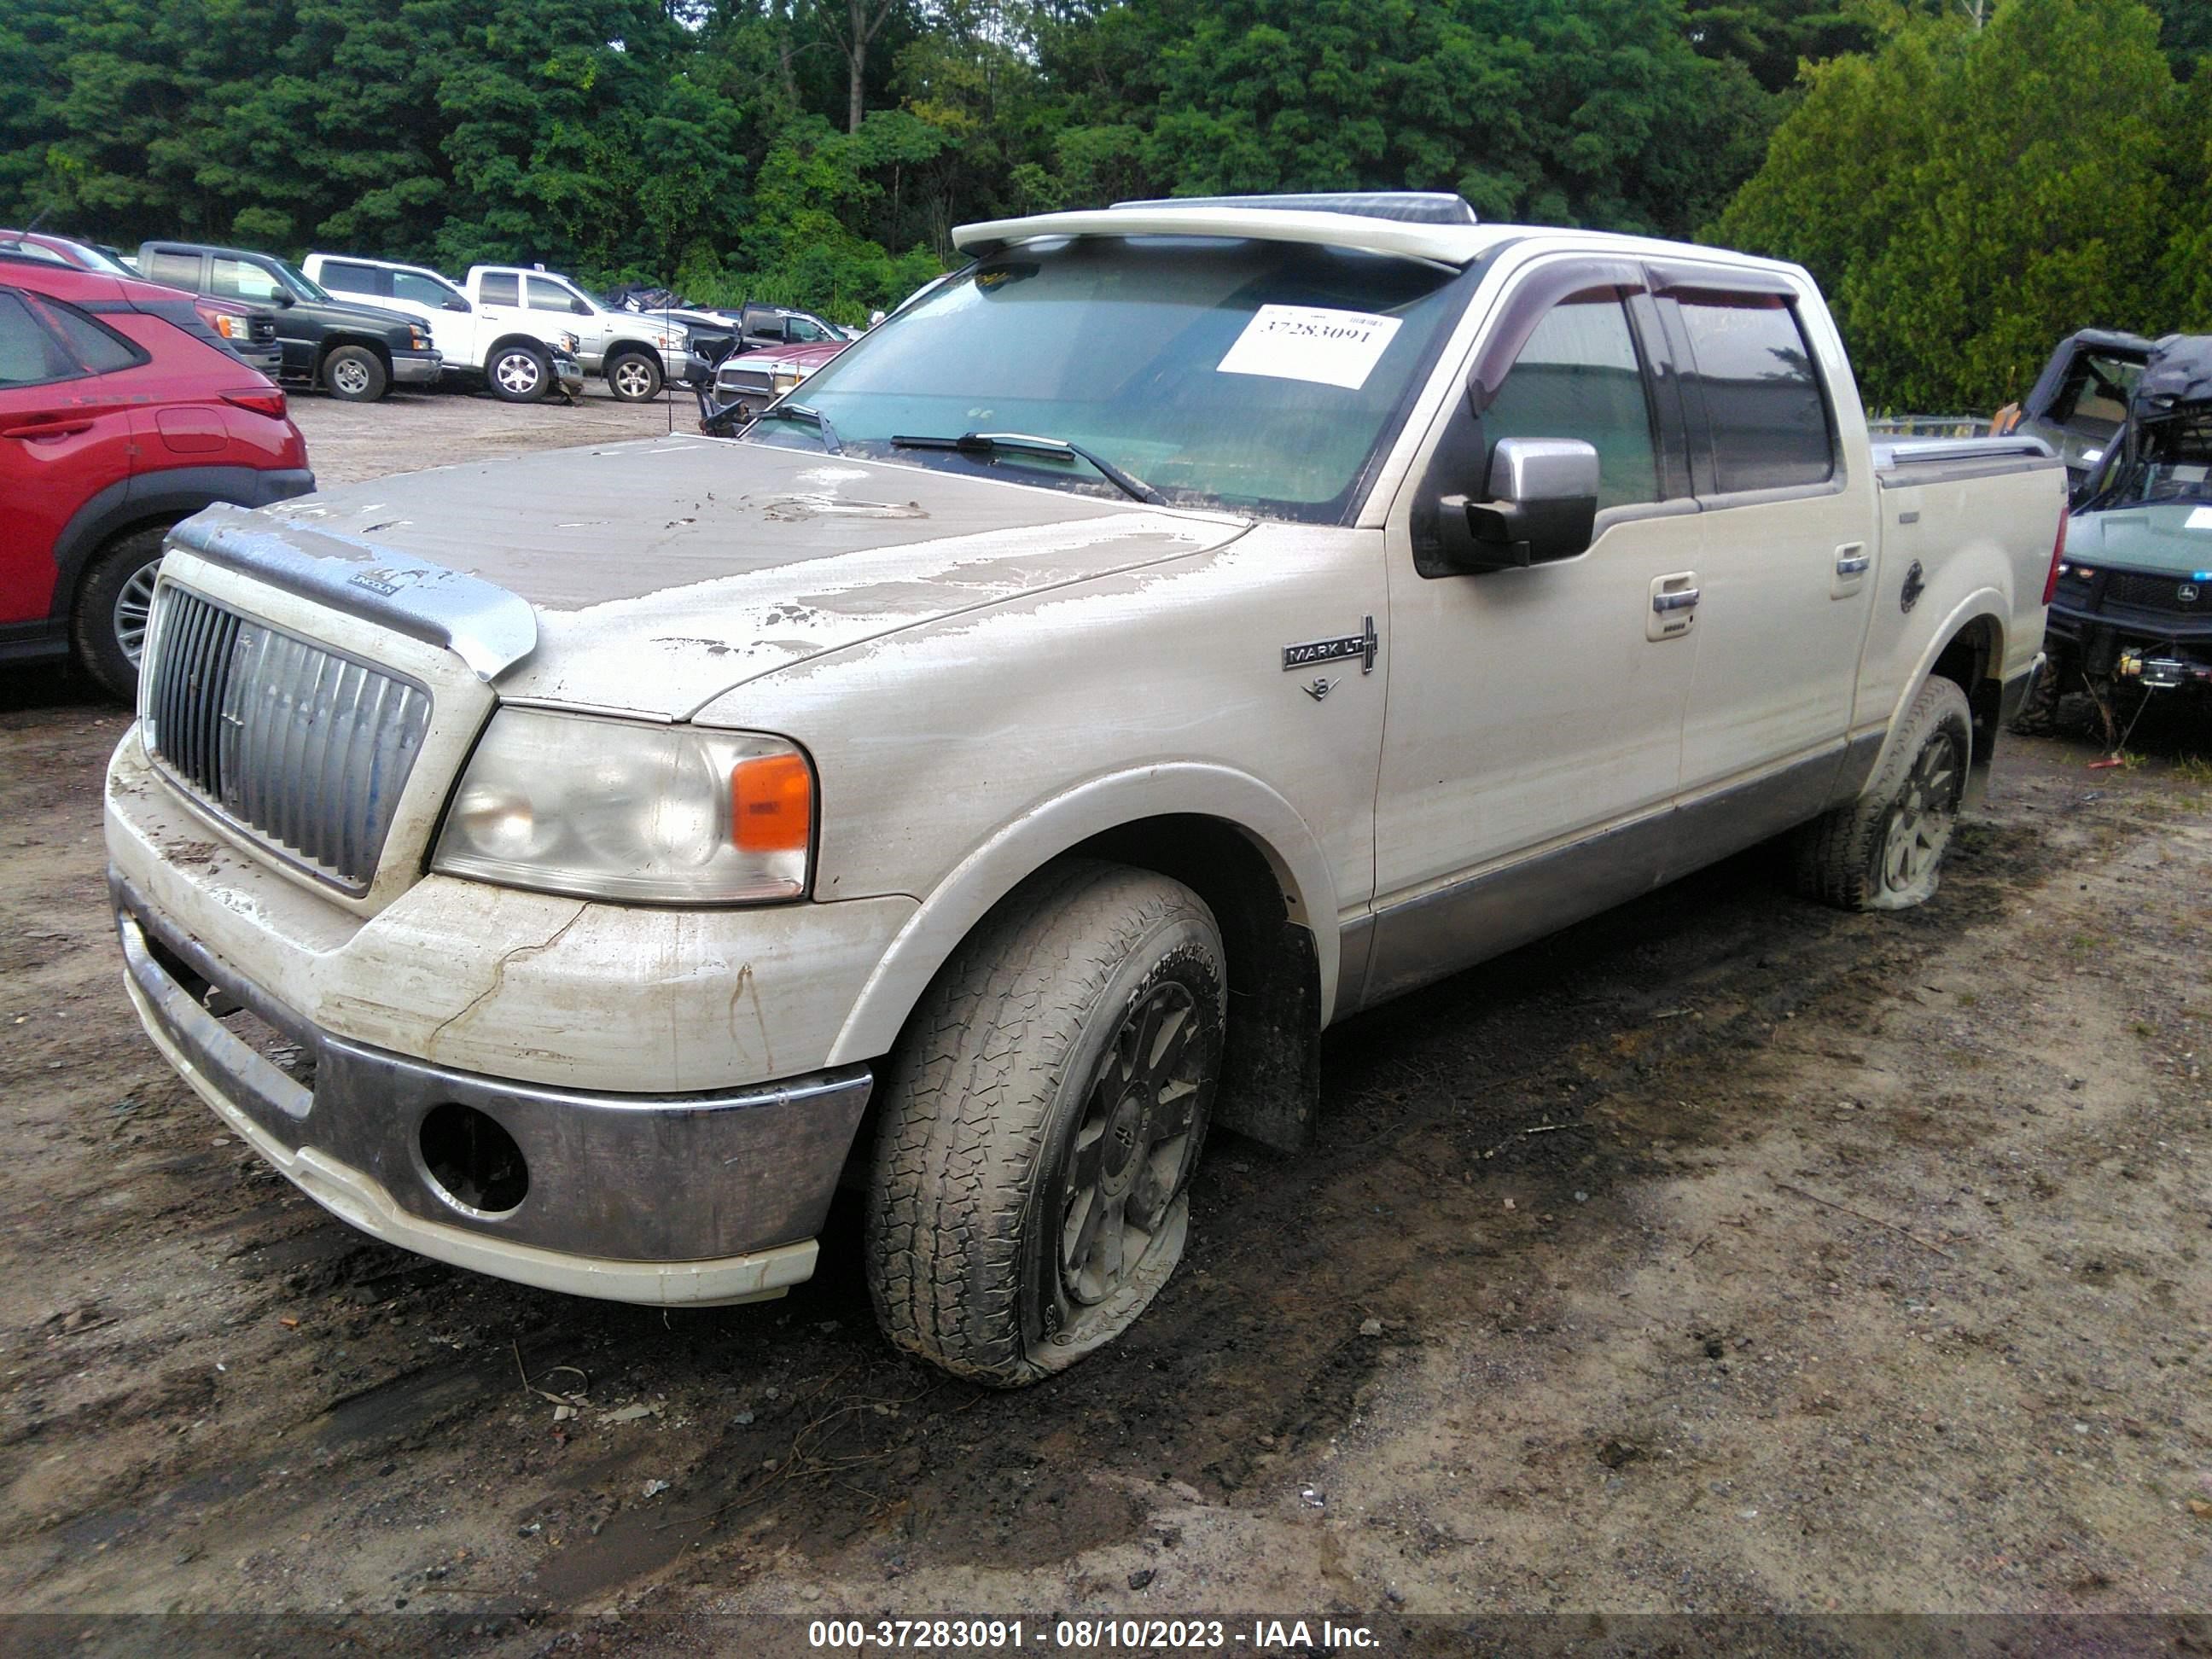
<point>1850,561</point>
<point>48,428</point>
<point>1685,600</point>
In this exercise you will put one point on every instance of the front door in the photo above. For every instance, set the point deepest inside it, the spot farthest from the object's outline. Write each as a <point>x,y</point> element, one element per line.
<point>1533,742</point>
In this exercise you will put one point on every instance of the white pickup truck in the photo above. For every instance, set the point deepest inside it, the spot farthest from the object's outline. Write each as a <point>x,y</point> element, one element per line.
<point>499,322</point>
<point>1191,625</point>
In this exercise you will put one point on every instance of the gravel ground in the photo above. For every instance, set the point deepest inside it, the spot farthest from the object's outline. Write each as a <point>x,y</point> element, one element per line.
<point>1724,1255</point>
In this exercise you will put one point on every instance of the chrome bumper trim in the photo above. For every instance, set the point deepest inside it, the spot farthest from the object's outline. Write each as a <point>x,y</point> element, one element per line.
<point>655,1183</point>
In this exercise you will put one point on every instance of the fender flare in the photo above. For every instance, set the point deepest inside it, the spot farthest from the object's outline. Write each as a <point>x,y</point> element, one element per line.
<point>1981,602</point>
<point>166,496</point>
<point>1017,850</point>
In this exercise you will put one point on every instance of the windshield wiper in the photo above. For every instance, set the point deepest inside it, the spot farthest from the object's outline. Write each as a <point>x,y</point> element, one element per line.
<point>801,412</point>
<point>991,443</point>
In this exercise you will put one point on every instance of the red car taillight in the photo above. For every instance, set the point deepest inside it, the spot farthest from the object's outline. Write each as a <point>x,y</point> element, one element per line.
<point>2057,553</point>
<point>262,400</point>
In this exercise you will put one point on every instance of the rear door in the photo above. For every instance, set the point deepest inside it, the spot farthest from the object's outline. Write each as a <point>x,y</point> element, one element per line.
<point>61,441</point>
<point>1784,561</point>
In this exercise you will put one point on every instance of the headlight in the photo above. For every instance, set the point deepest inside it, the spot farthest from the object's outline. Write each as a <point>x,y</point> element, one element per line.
<point>784,376</point>
<point>624,811</point>
<point>569,343</point>
<point>231,328</point>
<point>418,336</point>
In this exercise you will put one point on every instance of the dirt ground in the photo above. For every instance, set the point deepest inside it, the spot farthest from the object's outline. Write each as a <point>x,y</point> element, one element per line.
<point>1725,1255</point>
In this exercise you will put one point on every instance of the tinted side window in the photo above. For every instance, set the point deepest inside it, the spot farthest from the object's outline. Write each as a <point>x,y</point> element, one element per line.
<point>340,277</point>
<point>1770,422</point>
<point>548,296</point>
<point>98,350</point>
<point>236,279</point>
<point>1579,377</point>
<point>500,289</point>
<point>177,269</point>
<point>406,285</point>
<point>28,354</point>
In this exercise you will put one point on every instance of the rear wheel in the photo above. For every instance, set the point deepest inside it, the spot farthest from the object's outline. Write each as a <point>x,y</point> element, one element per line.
<point>355,373</point>
<point>114,603</point>
<point>520,374</point>
<point>1040,1123</point>
<point>1885,850</point>
<point>635,377</point>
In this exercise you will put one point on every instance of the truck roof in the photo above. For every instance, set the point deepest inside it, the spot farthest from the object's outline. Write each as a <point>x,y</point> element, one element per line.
<point>1415,225</point>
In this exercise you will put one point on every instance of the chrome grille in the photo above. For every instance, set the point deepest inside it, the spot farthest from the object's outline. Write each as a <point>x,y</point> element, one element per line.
<point>305,749</point>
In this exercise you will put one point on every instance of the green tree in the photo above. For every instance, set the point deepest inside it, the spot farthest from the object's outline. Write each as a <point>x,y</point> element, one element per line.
<point>1968,197</point>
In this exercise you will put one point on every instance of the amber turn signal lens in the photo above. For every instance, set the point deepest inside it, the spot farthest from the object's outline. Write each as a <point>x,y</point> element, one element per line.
<point>771,804</point>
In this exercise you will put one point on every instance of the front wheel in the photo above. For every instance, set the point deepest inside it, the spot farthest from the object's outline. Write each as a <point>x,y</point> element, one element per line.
<point>355,373</point>
<point>1885,850</point>
<point>635,377</point>
<point>1041,1122</point>
<point>518,374</point>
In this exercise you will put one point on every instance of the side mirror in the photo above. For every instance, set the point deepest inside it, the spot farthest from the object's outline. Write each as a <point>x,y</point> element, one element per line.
<point>582,307</point>
<point>457,304</point>
<point>1542,507</point>
<point>284,299</point>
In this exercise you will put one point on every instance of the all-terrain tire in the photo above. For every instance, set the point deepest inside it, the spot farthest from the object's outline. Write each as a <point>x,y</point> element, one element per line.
<point>1885,850</point>
<point>1011,1080</point>
<point>2038,713</point>
<point>115,599</point>
<point>355,375</point>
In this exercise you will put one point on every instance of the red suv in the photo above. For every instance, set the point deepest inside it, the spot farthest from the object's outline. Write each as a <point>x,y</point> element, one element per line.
<point>118,416</point>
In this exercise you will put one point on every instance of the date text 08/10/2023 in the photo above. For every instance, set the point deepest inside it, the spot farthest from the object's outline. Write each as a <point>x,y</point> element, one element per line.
<point>1260,1636</point>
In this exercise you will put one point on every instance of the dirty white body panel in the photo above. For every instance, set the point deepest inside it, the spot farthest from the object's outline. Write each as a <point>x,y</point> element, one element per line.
<point>984,675</point>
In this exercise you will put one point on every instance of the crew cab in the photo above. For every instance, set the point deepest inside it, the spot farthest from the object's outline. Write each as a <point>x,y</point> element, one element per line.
<point>513,361</point>
<point>247,332</point>
<point>636,356</point>
<point>119,415</point>
<point>355,353</point>
<point>1190,625</point>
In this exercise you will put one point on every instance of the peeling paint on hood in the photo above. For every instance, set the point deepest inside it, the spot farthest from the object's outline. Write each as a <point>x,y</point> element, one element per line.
<point>664,573</point>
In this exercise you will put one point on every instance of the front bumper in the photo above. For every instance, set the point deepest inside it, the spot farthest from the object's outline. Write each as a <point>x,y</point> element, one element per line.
<point>569,375</point>
<point>416,368</point>
<point>688,1200</point>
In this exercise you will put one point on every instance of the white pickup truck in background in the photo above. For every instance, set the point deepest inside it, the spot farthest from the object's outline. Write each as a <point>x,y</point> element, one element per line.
<point>1190,625</point>
<point>499,322</point>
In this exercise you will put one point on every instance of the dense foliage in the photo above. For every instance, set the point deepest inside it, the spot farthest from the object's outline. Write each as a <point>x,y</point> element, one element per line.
<point>1967,196</point>
<point>1966,191</point>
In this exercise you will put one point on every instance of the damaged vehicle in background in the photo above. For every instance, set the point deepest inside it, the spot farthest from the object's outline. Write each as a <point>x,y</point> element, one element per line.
<point>2131,610</point>
<point>2080,400</point>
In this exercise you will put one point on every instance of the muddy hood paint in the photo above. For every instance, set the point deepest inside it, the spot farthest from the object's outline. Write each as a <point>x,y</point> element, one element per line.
<point>2154,538</point>
<point>664,573</point>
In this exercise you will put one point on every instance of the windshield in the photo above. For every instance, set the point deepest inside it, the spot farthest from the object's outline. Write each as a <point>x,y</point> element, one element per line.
<point>2168,460</point>
<point>1259,376</point>
<point>301,284</point>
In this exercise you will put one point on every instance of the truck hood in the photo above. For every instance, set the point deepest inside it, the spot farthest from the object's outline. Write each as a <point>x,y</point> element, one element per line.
<point>666,572</point>
<point>2156,536</point>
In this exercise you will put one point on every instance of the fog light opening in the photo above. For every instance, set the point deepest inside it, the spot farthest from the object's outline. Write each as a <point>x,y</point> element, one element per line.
<point>471,1161</point>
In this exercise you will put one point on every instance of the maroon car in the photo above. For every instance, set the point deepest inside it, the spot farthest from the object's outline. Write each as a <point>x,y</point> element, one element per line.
<point>248,332</point>
<point>119,415</point>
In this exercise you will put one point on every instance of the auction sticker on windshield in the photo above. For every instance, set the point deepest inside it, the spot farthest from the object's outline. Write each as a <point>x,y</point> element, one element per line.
<point>1307,343</point>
